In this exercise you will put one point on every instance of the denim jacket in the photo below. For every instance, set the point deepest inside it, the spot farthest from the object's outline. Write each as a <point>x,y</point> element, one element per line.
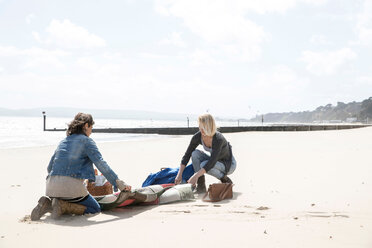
<point>75,156</point>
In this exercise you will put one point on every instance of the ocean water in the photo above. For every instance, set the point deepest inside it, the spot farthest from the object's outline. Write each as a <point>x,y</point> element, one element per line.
<point>28,131</point>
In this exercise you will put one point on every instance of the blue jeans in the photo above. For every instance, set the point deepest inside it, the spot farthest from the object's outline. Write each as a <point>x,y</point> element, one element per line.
<point>91,204</point>
<point>200,159</point>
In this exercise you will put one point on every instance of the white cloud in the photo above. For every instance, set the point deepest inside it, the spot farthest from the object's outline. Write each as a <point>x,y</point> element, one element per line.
<point>174,39</point>
<point>314,2</point>
<point>224,25</point>
<point>279,80</point>
<point>66,34</point>
<point>275,6</point>
<point>240,6</point>
<point>220,24</point>
<point>319,39</point>
<point>8,51</point>
<point>41,57</point>
<point>364,24</point>
<point>36,36</point>
<point>279,87</point>
<point>327,63</point>
<point>365,80</point>
<point>365,35</point>
<point>113,55</point>
<point>29,18</point>
<point>11,51</point>
<point>200,57</point>
<point>86,63</point>
<point>32,57</point>
<point>146,55</point>
<point>265,6</point>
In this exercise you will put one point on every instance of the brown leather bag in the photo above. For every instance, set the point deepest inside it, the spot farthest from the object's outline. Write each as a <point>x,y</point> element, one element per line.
<point>94,190</point>
<point>218,192</point>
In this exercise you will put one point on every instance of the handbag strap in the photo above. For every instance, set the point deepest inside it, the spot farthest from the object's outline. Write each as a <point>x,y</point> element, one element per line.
<point>205,196</point>
<point>225,191</point>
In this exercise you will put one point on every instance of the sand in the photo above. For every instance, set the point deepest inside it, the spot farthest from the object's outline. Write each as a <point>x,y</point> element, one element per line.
<point>292,189</point>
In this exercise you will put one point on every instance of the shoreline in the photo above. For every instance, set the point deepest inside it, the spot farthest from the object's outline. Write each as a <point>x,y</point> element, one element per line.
<point>46,138</point>
<point>225,129</point>
<point>105,139</point>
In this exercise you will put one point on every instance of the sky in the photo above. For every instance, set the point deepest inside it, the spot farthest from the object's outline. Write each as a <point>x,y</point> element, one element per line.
<point>231,58</point>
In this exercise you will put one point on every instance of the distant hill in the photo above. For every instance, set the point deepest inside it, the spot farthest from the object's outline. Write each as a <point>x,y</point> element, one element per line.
<point>97,113</point>
<point>342,112</point>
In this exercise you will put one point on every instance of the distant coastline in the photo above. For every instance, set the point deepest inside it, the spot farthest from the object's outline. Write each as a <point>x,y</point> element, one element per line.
<point>351,112</point>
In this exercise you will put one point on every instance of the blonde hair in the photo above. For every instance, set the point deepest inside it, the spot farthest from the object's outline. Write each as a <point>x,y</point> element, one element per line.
<point>207,124</point>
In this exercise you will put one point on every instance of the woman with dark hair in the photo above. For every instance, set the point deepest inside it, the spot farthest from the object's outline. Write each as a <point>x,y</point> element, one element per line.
<point>70,165</point>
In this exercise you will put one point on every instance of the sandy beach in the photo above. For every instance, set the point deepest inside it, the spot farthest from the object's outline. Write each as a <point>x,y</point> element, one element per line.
<point>292,189</point>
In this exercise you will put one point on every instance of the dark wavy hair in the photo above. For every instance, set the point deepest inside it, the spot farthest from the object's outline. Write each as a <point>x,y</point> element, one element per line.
<point>76,126</point>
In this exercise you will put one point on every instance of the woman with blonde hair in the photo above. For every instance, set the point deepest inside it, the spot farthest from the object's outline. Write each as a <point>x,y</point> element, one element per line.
<point>219,164</point>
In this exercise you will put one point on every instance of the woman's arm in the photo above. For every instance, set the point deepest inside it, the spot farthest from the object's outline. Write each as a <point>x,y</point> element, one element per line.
<point>94,155</point>
<point>178,179</point>
<point>195,141</point>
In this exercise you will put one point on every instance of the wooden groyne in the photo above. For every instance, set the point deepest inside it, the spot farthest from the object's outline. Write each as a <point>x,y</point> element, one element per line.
<point>192,130</point>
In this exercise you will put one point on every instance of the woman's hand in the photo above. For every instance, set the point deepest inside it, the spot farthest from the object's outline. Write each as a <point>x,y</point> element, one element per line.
<point>178,179</point>
<point>127,188</point>
<point>193,179</point>
<point>122,186</point>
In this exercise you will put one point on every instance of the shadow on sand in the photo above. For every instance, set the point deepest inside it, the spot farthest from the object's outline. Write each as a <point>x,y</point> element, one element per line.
<point>88,220</point>
<point>119,213</point>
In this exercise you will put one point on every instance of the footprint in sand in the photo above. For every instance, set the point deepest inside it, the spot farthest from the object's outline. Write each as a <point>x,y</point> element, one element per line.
<point>237,212</point>
<point>326,215</point>
<point>177,211</point>
<point>262,208</point>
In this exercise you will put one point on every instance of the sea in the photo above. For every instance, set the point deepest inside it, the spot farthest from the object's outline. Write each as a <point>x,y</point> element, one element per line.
<point>17,132</point>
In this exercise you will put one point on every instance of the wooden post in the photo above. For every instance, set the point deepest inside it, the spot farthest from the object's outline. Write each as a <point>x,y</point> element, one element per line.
<point>44,118</point>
